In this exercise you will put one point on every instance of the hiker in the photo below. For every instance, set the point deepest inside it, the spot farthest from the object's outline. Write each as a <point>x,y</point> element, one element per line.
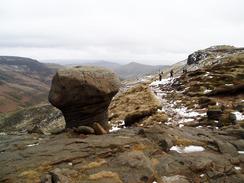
<point>171,73</point>
<point>160,77</point>
<point>184,71</point>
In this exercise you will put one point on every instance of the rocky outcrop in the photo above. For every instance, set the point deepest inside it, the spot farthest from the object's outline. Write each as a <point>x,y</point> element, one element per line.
<point>130,155</point>
<point>42,118</point>
<point>135,105</point>
<point>195,57</point>
<point>83,94</point>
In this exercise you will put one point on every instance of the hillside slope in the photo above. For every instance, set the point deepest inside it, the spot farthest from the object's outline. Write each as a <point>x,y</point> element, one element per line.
<point>23,82</point>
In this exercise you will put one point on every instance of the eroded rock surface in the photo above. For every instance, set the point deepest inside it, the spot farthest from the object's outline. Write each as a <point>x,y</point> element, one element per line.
<point>83,94</point>
<point>126,156</point>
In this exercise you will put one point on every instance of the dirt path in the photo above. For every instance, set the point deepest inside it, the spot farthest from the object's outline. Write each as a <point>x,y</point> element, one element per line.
<point>174,108</point>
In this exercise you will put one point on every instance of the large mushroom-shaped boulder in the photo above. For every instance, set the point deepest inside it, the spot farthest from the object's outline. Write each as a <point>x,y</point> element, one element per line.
<point>83,94</point>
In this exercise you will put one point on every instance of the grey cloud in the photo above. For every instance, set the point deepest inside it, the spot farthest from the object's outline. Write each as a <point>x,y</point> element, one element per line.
<point>140,30</point>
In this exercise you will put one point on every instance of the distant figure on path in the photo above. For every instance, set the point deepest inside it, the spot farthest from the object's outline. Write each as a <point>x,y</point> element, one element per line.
<point>160,77</point>
<point>184,71</point>
<point>171,73</point>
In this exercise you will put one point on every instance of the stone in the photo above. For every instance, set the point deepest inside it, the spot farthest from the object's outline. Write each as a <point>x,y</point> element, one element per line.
<point>50,177</point>
<point>83,94</point>
<point>227,118</point>
<point>84,130</point>
<point>214,112</point>
<point>105,177</point>
<point>175,179</point>
<point>201,164</point>
<point>226,147</point>
<point>166,144</point>
<point>206,101</point>
<point>240,107</point>
<point>138,162</point>
<point>99,130</point>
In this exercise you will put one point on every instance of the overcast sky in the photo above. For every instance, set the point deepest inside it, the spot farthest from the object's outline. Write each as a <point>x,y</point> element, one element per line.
<point>146,31</point>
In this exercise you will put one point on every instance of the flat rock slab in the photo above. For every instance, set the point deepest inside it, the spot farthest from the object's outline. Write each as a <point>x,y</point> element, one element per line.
<point>127,155</point>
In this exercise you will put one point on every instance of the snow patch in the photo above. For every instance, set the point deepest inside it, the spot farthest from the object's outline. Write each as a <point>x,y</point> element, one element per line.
<point>181,125</point>
<point>237,168</point>
<point>162,82</point>
<point>207,91</point>
<point>31,145</point>
<point>118,126</point>
<point>228,84</point>
<point>161,110</point>
<point>2,133</point>
<point>184,112</point>
<point>187,149</point>
<point>186,120</point>
<point>239,116</point>
<point>70,163</point>
<point>207,73</point>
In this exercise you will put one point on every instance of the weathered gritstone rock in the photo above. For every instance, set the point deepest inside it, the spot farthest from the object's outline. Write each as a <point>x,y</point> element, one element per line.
<point>214,112</point>
<point>129,155</point>
<point>42,118</point>
<point>83,94</point>
<point>134,105</point>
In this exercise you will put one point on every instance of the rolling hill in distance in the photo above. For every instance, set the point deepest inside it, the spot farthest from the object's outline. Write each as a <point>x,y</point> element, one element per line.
<point>130,70</point>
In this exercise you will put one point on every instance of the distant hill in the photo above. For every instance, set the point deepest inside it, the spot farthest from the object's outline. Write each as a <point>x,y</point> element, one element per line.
<point>106,64</point>
<point>23,82</point>
<point>131,70</point>
<point>134,70</point>
<point>54,66</point>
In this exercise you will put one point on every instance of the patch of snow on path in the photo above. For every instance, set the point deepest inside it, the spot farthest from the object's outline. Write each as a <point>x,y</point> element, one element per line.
<point>115,127</point>
<point>186,113</point>
<point>162,82</point>
<point>2,133</point>
<point>239,116</point>
<point>31,145</point>
<point>187,149</point>
<point>207,91</point>
<point>177,115</point>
